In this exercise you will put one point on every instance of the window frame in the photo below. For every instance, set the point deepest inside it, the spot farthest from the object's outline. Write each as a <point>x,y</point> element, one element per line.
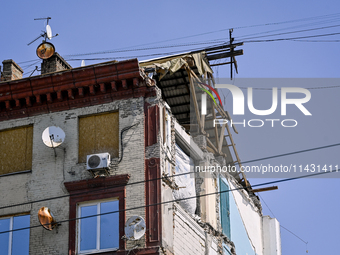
<point>97,203</point>
<point>11,224</point>
<point>91,190</point>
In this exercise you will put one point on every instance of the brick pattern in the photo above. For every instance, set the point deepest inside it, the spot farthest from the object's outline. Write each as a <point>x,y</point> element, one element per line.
<point>73,88</point>
<point>189,237</point>
<point>11,71</point>
<point>49,172</point>
<point>54,64</point>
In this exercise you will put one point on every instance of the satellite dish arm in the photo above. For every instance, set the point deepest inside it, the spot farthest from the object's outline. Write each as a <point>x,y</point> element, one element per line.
<point>42,35</point>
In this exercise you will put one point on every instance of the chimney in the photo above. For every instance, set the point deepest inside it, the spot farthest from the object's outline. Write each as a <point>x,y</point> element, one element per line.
<point>54,64</point>
<point>11,71</point>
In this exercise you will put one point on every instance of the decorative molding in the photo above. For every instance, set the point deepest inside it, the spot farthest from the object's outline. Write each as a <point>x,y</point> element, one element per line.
<point>151,124</point>
<point>153,196</point>
<point>96,189</point>
<point>100,182</point>
<point>74,88</point>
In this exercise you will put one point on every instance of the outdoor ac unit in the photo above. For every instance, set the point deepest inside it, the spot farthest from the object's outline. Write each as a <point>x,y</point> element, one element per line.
<point>98,161</point>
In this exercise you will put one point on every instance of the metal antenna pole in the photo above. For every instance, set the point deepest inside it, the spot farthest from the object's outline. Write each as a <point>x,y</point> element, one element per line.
<point>231,51</point>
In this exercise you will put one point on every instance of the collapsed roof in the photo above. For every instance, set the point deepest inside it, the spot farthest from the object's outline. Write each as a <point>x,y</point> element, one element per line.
<point>178,77</point>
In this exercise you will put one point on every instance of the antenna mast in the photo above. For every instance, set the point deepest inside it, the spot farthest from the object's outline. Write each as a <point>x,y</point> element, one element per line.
<point>45,34</point>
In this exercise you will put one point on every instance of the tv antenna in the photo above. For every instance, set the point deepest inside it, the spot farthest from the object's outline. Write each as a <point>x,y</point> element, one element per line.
<point>47,34</point>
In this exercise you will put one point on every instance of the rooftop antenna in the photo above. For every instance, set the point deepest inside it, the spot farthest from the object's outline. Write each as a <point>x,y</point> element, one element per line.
<point>47,34</point>
<point>46,49</point>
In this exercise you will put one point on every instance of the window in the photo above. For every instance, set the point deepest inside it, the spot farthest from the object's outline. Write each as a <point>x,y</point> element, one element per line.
<point>224,207</point>
<point>98,134</point>
<point>185,164</point>
<point>92,197</point>
<point>16,242</point>
<point>16,150</point>
<point>99,233</point>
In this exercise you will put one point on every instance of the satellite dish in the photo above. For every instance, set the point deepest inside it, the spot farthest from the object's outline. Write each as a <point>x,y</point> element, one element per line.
<point>83,62</point>
<point>45,50</point>
<point>46,218</point>
<point>53,136</point>
<point>135,228</point>
<point>48,32</point>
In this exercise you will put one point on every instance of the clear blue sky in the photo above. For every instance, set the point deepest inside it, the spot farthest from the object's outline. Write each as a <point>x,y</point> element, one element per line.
<point>309,208</point>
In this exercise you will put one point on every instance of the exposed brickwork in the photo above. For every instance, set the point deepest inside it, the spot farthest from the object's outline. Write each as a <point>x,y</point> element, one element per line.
<point>74,88</point>
<point>49,172</point>
<point>11,71</point>
<point>54,64</point>
<point>189,237</point>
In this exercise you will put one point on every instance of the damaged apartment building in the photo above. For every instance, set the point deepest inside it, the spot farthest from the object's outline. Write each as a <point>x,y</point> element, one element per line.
<point>102,159</point>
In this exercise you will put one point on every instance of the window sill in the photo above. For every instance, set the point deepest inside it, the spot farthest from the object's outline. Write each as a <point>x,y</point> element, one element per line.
<point>99,252</point>
<point>15,173</point>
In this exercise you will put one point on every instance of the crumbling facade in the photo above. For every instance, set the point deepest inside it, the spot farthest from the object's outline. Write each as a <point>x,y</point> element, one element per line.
<point>118,108</point>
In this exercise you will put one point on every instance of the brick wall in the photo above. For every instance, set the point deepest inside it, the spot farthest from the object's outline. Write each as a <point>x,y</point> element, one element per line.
<point>49,172</point>
<point>189,237</point>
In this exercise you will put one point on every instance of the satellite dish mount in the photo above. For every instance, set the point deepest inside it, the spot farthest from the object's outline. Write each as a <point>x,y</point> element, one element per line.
<point>135,228</point>
<point>46,49</point>
<point>47,219</point>
<point>53,137</point>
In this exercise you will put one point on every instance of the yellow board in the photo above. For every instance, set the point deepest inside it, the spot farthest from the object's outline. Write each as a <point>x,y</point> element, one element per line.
<point>98,134</point>
<point>16,150</point>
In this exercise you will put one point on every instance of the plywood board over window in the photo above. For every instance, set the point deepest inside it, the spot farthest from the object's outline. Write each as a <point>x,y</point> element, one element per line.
<point>98,134</point>
<point>16,150</point>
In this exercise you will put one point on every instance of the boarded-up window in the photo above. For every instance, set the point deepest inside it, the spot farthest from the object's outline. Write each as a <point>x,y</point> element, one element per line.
<point>98,134</point>
<point>16,150</point>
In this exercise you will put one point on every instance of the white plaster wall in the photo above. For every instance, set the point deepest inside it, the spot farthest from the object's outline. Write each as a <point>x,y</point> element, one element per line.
<point>252,220</point>
<point>271,236</point>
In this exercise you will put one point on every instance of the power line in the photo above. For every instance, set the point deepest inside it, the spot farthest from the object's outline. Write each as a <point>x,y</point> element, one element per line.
<point>293,234</point>
<point>239,27</point>
<point>327,16</point>
<point>246,26</point>
<point>325,87</point>
<point>188,44</point>
<point>171,176</point>
<point>181,51</point>
<point>316,40</point>
<point>148,48</point>
<point>291,153</point>
<point>291,21</point>
<point>292,38</point>
<point>180,199</point>
<point>292,32</point>
<point>291,27</point>
<point>280,223</point>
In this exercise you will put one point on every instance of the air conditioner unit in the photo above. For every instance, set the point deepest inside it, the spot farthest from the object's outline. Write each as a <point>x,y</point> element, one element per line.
<point>98,161</point>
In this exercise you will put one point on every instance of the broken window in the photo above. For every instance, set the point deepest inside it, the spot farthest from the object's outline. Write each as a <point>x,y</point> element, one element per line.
<point>99,134</point>
<point>186,182</point>
<point>16,150</point>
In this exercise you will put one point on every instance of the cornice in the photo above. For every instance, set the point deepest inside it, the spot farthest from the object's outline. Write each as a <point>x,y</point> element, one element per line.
<point>75,88</point>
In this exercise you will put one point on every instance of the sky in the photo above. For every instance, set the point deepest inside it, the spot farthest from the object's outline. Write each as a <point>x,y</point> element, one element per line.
<point>307,207</point>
